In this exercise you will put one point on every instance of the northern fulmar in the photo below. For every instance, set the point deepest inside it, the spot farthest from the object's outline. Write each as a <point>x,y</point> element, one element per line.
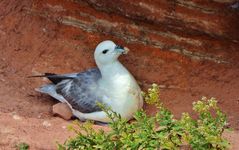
<point>111,84</point>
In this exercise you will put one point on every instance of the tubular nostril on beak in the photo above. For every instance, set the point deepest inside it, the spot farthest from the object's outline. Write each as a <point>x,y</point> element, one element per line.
<point>119,47</point>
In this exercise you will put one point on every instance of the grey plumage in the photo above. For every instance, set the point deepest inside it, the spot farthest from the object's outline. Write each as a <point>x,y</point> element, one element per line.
<point>78,89</point>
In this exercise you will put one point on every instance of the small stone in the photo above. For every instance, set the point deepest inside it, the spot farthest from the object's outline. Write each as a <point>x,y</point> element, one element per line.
<point>46,124</point>
<point>39,116</point>
<point>16,117</point>
<point>62,110</point>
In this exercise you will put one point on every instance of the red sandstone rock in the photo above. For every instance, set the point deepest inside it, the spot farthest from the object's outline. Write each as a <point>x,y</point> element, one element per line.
<point>62,110</point>
<point>214,18</point>
<point>201,30</point>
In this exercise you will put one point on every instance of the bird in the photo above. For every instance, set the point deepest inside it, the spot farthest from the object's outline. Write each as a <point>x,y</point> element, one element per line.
<point>110,83</point>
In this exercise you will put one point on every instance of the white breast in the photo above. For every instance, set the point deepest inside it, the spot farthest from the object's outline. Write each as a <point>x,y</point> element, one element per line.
<point>123,93</point>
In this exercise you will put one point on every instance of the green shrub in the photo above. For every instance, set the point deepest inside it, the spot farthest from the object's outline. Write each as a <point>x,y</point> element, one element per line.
<point>22,146</point>
<point>161,131</point>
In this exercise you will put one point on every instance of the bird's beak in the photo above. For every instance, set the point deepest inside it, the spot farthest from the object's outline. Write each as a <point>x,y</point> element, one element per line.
<point>121,49</point>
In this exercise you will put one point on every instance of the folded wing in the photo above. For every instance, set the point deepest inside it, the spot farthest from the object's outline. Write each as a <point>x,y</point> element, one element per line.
<point>80,91</point>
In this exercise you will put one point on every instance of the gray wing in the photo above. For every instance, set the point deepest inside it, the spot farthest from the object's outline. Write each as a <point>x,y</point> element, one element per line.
<point>80,91</point>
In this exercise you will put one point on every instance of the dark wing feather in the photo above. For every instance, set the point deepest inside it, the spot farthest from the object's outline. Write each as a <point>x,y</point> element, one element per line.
<point>55,78</point>
<point>80,92</point>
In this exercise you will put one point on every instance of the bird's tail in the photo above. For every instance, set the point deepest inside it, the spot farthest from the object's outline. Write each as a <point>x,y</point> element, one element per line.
<point>50,89</point>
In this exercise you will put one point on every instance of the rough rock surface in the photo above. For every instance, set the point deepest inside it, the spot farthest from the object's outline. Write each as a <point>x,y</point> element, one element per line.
<point>198,17</point>
<point>190,48</point>
<point>195,29</point>
<point>62,110</point>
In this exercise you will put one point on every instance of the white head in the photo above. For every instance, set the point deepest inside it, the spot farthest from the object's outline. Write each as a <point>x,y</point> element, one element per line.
<point>107,52</point>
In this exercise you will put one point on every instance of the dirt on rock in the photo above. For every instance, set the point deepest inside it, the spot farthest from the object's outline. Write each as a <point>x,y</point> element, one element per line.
<point>33,41</point>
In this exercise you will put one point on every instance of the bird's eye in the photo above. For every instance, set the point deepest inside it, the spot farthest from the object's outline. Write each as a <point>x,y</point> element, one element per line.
<point>105,51</point>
